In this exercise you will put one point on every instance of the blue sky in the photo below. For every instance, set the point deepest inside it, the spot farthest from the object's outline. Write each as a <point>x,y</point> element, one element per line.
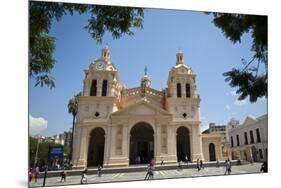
<point>206,50</point>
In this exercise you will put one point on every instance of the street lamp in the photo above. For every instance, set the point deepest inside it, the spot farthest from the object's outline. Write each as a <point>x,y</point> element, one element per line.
<point>36,154</point>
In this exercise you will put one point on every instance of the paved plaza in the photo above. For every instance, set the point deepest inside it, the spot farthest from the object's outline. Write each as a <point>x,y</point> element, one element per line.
<point>158,174</point>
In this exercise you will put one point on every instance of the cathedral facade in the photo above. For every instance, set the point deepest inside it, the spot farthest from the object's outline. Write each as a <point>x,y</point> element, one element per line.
<point>119,126</point>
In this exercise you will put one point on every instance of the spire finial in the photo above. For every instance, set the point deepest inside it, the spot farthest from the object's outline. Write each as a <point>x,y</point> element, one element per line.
<point>145,70</point>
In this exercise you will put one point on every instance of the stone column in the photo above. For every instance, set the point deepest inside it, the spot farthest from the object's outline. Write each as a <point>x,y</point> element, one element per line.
<point>196,143</point>
<point>171,144</point>
<point>125,148</point>
<point>86,90</point>
<point>113,141</point>
<point>183,91</point>
<point>158,143</point>
<point>106,148</point>
<point>109,88</point>
<point>99,87</point>
<point>82,162</point>
<point>76,142</point>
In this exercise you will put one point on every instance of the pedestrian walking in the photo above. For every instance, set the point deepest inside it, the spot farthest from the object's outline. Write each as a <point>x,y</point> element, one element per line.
<point>264,167</point>
<point>162,161</point>
<point>36,173</point>
<point>201,164</point>
<point>238,162</point>
<point>186,159</point>
<point>218,163</point>
<point>63,176</point>
<point>180,165</point>
<point>198,165</point>
<point>227,167</point>
<point>30,175</point>
<point>99,170</point>
<point>84,176</point>
<point>149,173</point>
<point>152,163</point>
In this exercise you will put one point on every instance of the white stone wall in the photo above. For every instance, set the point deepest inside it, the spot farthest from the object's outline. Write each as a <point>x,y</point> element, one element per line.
<point>118,115</point>
<point>250,124</point>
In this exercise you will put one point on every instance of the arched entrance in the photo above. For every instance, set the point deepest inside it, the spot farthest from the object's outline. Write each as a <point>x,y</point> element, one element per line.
<point>183,144</point>
<point>96,147</point>
<point>141,143</point>
<point>254,153</point>
<point>212,152</point>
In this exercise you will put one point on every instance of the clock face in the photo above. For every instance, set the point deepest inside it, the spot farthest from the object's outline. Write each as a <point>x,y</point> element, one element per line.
<point>100,65</point>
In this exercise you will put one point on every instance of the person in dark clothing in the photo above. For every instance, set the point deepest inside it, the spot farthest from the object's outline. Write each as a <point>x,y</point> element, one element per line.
<point>201,164</point>
<point>63,176</point>
<point>162,161</point>
<point>227,167</point>
<point>180,165</point>
<point>30,175</point>
<point>264,167</point>
<point>198,165</point>
<point>149,173</point>
<point>99,170</point>
<point>84,176</point>
<point>218,163</point>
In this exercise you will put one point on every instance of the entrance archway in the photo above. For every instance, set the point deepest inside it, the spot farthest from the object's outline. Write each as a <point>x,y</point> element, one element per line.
<point>212,152</point>
<point>96,147</point>
<point>254,153</point>
<point>141,143</point>
<point>183,144</point>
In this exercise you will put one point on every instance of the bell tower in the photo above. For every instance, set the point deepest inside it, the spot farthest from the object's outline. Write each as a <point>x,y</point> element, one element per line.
<point>105,54</point>
<point>181,80</point>
<point>101,88</point>
<point>101,78</point>
<point>182,100</point>
<point>180,59</point>
<point>184,104</point>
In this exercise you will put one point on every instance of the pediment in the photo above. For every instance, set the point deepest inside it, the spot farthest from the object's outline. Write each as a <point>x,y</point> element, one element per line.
<point>249,120</point>
<point>141,108</point>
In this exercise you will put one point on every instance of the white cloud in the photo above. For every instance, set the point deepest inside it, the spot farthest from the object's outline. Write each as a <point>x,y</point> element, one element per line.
<point>227,107</point>
<point>37,125</point>
<point>240,103</point>
<point>263,99</point>
<point>233,93</point>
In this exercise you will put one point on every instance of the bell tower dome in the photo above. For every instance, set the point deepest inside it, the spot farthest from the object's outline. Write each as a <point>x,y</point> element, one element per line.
<point>180,59</point>
<point>105,54</point>
<point>182,90</point>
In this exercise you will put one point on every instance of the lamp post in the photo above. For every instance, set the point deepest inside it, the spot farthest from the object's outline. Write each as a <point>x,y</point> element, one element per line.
<point>36,154</point>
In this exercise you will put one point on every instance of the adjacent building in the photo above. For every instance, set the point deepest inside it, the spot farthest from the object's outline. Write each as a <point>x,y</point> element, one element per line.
<point>249,140</point>
<point>221,130</point>
<point>63,138</point>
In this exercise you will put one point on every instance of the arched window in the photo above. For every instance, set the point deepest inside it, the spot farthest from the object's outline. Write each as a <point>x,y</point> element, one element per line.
<point>187,90</point>
<point>104,88</point>
<point>237,139</point>
<point>258,135</point>
<point>260,154</point>
<point>246,138</point>
<point>93,91</point>
<point>212,152</point>
<point>252,137</point>
<point>178,90</point>
<point>232,145</point>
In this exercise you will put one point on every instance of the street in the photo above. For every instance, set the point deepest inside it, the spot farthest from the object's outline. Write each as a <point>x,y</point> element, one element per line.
<point>158,174</point>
